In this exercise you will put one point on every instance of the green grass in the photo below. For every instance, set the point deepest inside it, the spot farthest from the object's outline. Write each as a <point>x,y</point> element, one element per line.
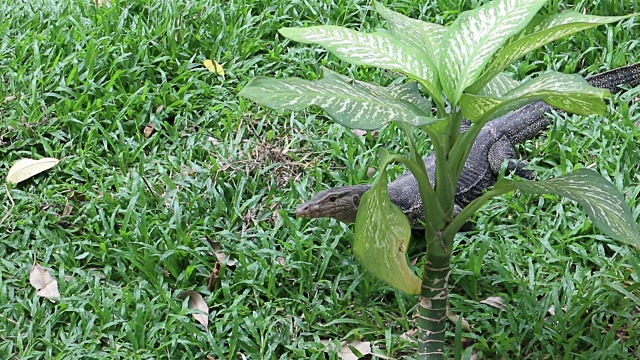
<point>87,81</point>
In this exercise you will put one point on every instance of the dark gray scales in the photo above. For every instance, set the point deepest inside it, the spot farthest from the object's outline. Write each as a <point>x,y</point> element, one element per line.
<point>494,145</point>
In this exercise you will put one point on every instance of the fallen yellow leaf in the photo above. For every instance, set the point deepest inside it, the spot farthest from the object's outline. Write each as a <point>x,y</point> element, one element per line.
<point>26,168</point>
<point>214,67</point>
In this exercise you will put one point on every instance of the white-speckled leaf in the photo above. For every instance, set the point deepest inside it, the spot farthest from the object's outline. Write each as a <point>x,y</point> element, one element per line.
<point>542,30</point>
<point>475,36</point>
<point>499,85</point>
<point>378,49</point>
<point>602,202</point>
<point>571,93</point>
<point>408,92</point>
<point>418,34</point>
<point>382,235</point>
<point>353,104</point>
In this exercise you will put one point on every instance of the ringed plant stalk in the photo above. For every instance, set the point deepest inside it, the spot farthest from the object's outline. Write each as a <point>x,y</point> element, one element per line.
<point>459,67</point>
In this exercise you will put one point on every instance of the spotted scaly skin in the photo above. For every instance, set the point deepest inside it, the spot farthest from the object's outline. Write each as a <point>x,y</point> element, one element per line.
<point>493,146</point>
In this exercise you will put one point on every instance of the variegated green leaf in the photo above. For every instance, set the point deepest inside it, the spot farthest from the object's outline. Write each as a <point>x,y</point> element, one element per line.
<point>602,202</point>
<point>376,49</point>
<point>571,93</point>
<point>418,34</point>
<point>350,103</point>
<point>499,85</point>
<point>542,30</point>
<point>382,235</point>
<point>408,92</point>
<point>475,36</point>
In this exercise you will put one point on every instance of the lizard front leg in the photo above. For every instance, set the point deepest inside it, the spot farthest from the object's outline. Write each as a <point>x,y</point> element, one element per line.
<point>503,150</point>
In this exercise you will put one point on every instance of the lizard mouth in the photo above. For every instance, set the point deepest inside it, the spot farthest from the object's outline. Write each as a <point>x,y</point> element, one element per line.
<point>312,211</point>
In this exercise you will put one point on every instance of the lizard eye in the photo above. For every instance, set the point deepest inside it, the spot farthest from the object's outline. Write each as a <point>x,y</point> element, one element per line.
<point>332,198</point>
<point>356,200</point>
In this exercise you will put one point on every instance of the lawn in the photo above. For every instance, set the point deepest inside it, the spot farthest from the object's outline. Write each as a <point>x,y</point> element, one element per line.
<point>129,220</point>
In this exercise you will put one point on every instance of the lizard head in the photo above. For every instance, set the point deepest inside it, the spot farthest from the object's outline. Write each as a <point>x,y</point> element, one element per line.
<point>340,203</point>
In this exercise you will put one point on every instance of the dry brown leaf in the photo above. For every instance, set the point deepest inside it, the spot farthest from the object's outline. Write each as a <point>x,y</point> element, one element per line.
<point>26,168</point>
<point>454,319</point>
<point>213,140</point>
<point>215,245</point>
<point>159,109</point>
<point>67,210</point>
<point>221,256</point>
<point>101,3</point>
<point>359,132</point>
<point>9,98</point>
<point>496,302</point>
<point>346,351</point>
<point>283,262</point>
<point>148,130</point>
<point>196,302</point>
<point>552,310</point>
<point>275,216</point>
<point>215,275</point>
<point>370,172</point>
<point>44,282</point>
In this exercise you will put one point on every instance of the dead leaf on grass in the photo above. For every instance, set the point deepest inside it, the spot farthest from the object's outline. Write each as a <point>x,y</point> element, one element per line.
<point>42,280</point>
<point>346,352</point>
<point>214,67</point>
<point>148,130</point>
<point>221,256</point>
<point>101,3</point>
<point>358,132</point>
<point>552,310</point>
<point>213,140</point>
<point>26,168</point>
<point>283,263</point>
<point>454,319</point>
<point>496,302</point>
<point>67,210</point>
<point>196,302</point>
<point>215,275</point>
<point>9,98</point>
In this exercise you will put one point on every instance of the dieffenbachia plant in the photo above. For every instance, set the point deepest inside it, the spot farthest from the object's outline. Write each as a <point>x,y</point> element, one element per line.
<point>459,67</point>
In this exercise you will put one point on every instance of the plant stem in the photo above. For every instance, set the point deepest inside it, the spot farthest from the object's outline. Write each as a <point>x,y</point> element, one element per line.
<point>434,299</point>
<point>500,188</point>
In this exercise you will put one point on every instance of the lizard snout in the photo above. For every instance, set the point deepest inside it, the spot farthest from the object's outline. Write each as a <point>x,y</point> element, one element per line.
<point>303,210</point>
